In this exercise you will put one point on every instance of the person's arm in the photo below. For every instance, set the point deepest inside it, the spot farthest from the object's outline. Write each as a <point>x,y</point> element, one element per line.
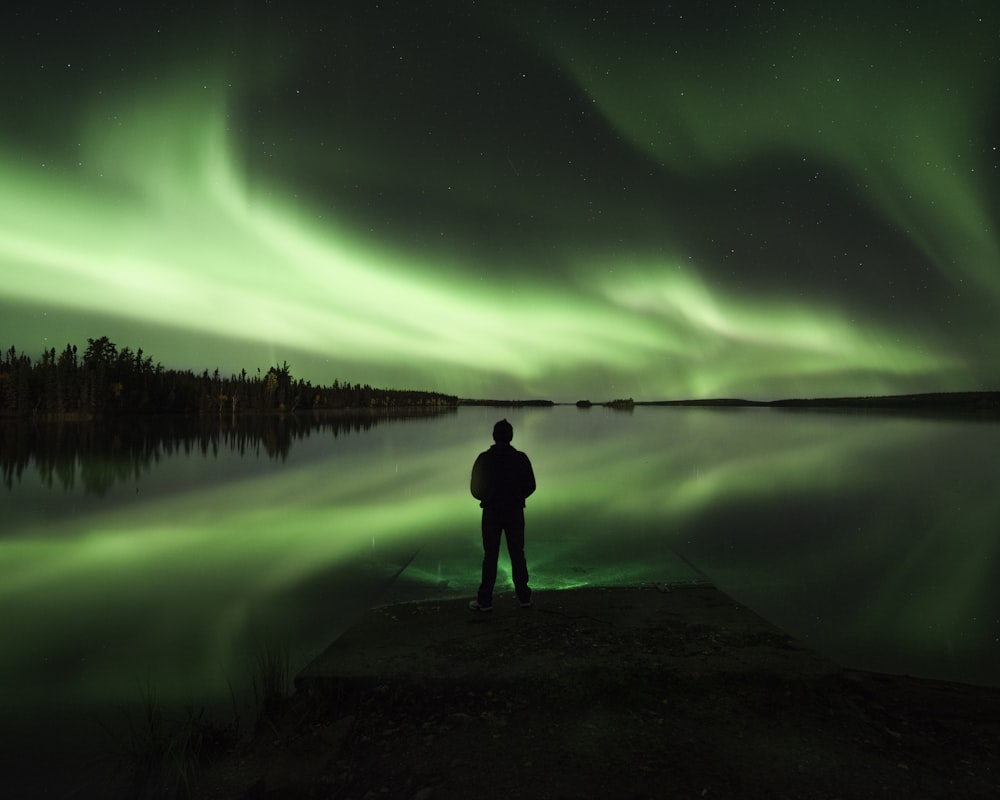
<point>478,483</point>
<point>527,477</point>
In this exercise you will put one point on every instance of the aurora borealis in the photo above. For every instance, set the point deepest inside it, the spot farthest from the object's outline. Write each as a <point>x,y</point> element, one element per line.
<point>512,199</point>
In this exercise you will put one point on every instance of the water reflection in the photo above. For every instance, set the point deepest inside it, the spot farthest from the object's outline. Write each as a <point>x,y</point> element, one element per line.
<point>874,537</point>
<point>95,455</point>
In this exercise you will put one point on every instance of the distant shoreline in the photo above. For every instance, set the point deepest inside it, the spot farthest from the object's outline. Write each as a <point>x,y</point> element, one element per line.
<point>985,401</point>
<point>977,402</point>
<point>944,401</point>
<point>102,381</point>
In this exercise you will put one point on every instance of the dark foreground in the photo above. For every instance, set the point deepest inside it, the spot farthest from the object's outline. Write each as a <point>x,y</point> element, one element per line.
<point>625,693</point>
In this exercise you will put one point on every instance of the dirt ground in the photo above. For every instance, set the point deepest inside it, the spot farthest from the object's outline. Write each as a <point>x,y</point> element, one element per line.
<point>631,693</point>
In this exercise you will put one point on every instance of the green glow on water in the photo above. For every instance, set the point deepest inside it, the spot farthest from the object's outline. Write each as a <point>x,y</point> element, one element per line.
<point>786,512</point>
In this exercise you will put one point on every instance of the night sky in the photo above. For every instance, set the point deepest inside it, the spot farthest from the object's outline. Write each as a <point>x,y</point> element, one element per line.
<point>512,199</point>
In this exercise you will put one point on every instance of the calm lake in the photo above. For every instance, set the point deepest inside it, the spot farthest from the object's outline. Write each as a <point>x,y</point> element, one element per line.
<point>163,556</point>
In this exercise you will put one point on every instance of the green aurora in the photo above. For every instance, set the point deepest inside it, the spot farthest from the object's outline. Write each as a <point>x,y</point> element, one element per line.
<point>511,199</point>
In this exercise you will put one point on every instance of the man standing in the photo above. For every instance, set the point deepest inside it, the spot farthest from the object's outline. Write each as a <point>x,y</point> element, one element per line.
<point>501,479</point>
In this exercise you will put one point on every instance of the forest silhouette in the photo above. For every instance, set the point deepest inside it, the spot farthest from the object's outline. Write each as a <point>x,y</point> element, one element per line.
<point>136,412</point>
<point>105,380</point>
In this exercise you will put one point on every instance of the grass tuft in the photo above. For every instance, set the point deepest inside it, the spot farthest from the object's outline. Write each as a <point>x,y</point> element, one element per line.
<point>271,681</point>
<point>161,757</point>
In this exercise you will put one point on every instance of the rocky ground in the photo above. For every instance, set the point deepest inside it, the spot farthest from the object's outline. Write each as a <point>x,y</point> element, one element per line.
<point>613,695</point>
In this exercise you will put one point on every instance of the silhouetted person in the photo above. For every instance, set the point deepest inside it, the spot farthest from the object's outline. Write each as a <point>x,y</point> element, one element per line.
<point>501,479</point>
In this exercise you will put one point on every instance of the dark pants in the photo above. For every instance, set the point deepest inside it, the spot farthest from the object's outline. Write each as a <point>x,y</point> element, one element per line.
<point>498,521</point>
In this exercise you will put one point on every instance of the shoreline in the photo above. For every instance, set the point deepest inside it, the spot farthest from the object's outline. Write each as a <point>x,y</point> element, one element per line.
<point>980,402</point>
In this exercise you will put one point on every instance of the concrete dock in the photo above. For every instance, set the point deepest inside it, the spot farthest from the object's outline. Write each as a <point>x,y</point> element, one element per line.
<point>686,629</point>
<point>640,691</point>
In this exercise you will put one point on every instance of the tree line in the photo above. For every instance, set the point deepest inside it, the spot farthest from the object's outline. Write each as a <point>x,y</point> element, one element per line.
<point>104,380</point>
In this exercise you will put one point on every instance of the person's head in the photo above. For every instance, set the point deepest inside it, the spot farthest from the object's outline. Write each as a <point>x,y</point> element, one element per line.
<point>503,432</point>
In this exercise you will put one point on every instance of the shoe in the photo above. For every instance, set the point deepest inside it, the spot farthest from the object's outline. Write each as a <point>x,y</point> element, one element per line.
<point>525,603</point>
<point>474,606</point>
